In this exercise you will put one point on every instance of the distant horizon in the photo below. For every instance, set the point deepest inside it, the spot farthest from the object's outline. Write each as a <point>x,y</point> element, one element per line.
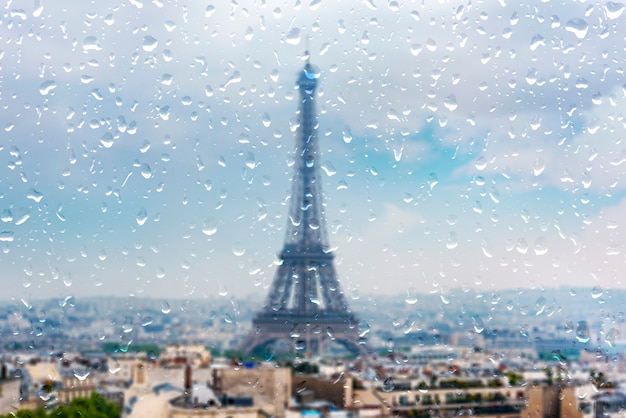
<point>262,296</point>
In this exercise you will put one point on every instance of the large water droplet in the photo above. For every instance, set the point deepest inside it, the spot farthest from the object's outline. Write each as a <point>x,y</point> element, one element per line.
<point>613,10</point>
<point>81,374</point>
<point>142,217</point>
<point>170,25</point>
<point>165,307</point>
<point>90,43</point>
<point>578,27</point>
<point>293,37</point>
<point>6,236</point>
<point>149,43</point>
<point>47,86</point>
<point>452,240</point>
<point>346,134</point>
<point>209,227</point>
<point>582,332</point>
<point>596,292</point>
<point>146,171</point>
<point>34,195</point>
<point>249,34</point>
<point>389,385</point>
<point>450,102</point>
<point>107,140</point>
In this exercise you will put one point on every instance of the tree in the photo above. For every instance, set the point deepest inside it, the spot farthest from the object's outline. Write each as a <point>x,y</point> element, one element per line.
<point>96,406</point>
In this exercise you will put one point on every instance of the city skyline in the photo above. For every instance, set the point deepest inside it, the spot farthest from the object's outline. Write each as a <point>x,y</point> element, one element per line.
<point>147,147</point>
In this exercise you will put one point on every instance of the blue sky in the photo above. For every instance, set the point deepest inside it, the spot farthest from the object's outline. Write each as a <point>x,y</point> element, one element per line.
<point>146,146</point>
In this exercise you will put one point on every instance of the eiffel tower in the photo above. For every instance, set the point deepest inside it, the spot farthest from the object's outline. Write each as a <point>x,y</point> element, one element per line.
<point>305,305</point>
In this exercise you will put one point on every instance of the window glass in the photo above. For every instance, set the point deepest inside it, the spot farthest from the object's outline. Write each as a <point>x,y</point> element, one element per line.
<point>466,148</point>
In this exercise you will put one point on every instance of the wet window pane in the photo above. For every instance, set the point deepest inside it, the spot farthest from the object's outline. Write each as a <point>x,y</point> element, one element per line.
<point>470,161</point>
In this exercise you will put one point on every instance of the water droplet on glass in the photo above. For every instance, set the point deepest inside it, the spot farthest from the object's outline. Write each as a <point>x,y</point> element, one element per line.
<point>478,324</point>
<point>6,236</point>
<point>170,25</point>
<point>293,37</point>
<point>301,387</point>
<point>330,333</point>
<point>433,181</point>
<point>364,329</point>
<point>142,217</point>
<point>209,227</point>
<point>450,103</point>
<point>222,290</point>
<point>389,385</point>
<point>47,86</point>
<point>146,172</point>
<point>596,292</point>
<point>81,374</point>
<point>106,140</point>
<point>538,166</point>
<point>238,249</point>
<point>540,306</point>
<point>250,161</point>
<point>149,43</point>
<point>165,308</point>
<point>90,43</point>
<point>328,168</point>
<point>249,34</point>
<point>481,163</point>
<point>452,241</point>
<point>346,134</point>
<point>578,27</point>
<point>410,299</point>
<point>267,121</point>
<point>582,332</point>
<point>613,10</point>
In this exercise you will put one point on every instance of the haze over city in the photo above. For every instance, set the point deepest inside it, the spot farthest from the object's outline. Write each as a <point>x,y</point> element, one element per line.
<point>147,147</point>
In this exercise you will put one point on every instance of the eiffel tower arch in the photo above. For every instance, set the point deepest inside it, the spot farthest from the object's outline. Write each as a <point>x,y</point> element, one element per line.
<point>306,306</point>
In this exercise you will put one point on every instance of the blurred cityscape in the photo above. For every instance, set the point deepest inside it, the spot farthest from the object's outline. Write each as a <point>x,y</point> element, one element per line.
<point>515,353</point>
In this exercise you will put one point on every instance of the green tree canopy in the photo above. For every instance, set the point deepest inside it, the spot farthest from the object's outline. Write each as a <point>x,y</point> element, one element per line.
<point>96,406</point>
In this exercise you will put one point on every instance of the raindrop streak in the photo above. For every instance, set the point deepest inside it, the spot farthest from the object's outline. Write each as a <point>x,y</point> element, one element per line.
<point>478,324</point>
